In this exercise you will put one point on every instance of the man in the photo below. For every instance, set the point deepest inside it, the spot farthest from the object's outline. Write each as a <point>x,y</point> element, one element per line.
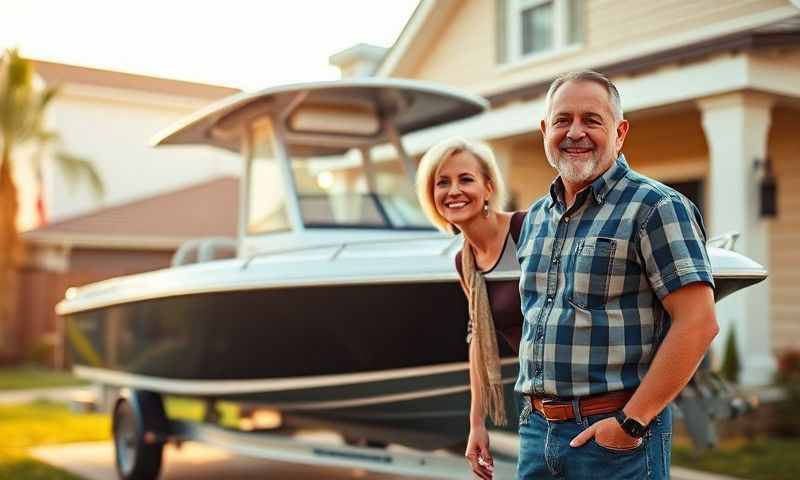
<point>616,291</point>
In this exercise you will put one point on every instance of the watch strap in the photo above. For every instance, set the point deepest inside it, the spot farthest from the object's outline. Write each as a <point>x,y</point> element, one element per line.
<point>631,426</point>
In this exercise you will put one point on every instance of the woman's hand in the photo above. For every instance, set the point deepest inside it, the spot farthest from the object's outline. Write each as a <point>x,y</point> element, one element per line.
<point>478,454</point>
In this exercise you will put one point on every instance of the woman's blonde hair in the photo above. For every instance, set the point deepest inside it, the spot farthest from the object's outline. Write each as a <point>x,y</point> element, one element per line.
<point>440,152</point>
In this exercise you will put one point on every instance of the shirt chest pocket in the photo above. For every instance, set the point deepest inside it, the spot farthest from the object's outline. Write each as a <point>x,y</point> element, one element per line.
<point>591,271</point>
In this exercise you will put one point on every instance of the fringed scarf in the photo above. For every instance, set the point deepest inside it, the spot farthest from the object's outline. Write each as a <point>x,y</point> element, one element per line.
<point>484,357</point>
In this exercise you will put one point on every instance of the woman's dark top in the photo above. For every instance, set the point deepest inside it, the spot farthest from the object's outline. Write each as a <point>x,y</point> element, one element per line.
<point>502,288</point>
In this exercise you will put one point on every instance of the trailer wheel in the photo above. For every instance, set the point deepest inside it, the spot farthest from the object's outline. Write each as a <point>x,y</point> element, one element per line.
<point>136,415</point>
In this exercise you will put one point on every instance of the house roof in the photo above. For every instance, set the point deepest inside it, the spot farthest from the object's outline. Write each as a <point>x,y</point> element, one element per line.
<point>59,73</point>
<point>164,221</point>
<point>425,22</point>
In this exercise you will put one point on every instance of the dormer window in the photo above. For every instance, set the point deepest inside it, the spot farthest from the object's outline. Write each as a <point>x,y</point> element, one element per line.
<point>536,28</point>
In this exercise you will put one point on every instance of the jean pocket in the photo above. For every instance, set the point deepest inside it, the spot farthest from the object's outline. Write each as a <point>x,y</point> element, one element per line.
<point>591,272</point>
<point>619,451</point>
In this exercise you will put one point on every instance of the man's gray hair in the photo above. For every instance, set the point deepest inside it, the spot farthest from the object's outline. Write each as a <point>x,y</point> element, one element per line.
<point>588,76</point>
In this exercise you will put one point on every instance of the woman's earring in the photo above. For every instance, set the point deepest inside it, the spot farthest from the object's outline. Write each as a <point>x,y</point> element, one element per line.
<point>486,208</point>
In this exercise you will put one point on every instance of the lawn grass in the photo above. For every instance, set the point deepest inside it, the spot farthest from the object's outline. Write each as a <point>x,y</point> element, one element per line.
<point>759,459</point>
<point>26,377</point>
<point>179,408</point>
<point>43,423</point>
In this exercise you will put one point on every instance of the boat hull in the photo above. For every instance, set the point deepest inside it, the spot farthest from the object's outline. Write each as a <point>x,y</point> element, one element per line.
<point>384,358</point>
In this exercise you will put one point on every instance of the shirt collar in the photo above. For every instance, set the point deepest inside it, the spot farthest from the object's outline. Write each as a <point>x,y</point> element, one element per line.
<point>603,184</point>
<point>557,191</point>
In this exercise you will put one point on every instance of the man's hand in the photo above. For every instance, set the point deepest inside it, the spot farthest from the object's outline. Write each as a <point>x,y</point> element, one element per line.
<point>607,433</point>
<point>478,454</point>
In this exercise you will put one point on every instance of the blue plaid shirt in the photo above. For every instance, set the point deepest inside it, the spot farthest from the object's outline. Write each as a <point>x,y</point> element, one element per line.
<point>592,279</point>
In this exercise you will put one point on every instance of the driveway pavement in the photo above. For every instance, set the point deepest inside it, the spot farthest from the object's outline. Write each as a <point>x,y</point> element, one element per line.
<point>193,461</point>
<point>94,461</point>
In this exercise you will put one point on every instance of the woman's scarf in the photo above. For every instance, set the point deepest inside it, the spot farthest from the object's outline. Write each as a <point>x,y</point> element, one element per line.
<point>484,357</point>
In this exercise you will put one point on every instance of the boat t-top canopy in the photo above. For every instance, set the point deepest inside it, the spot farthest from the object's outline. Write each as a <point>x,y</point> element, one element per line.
<point>355,107</point>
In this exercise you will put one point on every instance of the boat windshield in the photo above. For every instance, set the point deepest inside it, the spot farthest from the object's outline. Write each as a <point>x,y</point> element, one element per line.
<point>345,191</point>
<point>342,190</point>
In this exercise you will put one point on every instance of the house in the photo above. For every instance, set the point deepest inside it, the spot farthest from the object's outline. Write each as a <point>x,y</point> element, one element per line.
<point>134,237</point>
<point>108,118</point>
<point>712,90</point>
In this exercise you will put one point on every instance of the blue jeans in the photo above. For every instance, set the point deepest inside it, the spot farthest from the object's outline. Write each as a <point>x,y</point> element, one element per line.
<point>544,450</point>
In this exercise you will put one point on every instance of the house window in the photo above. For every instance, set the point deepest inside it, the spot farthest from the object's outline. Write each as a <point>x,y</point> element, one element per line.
<point>535,27</point>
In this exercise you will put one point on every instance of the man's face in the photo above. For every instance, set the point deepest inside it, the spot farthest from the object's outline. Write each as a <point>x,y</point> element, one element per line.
<point>581,136</point>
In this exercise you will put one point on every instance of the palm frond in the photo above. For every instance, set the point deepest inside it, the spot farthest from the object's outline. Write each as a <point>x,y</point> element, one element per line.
<point>45,137</point>
<point>18,106</point>
<point>75,168</point>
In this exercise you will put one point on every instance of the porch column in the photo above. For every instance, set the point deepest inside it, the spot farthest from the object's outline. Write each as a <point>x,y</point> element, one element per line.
<point>736,126</point>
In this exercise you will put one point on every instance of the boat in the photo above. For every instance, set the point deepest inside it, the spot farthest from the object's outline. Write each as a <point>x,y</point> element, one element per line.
<point>341,309</point>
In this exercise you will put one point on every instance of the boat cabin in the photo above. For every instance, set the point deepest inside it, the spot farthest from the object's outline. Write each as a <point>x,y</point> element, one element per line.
<point>325,161</point>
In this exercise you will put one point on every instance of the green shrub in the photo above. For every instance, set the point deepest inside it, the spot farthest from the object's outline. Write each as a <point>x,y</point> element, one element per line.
<point>730,360</point>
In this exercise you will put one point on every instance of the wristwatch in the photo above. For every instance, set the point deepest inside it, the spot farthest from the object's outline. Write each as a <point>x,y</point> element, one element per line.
<point>631,426</point>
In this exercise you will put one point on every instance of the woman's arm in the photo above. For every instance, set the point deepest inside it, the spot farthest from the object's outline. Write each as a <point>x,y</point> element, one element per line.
<point>478,454</point>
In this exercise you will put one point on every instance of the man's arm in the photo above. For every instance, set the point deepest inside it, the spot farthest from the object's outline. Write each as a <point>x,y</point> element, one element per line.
<point>694,326</point>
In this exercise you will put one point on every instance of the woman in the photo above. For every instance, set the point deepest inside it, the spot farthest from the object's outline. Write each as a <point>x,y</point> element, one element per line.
<point>460,189</point>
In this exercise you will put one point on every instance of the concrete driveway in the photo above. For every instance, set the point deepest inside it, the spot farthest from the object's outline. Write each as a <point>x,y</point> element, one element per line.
<point>194,461</point>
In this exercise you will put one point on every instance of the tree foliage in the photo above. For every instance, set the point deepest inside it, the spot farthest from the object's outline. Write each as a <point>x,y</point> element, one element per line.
<point>23,104</point>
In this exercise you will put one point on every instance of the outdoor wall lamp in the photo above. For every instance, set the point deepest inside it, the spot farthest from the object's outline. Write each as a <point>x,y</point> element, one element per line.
<point>768,189</point>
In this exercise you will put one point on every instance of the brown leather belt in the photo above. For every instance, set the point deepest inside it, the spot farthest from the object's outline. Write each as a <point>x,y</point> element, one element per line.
<point>555,410</point>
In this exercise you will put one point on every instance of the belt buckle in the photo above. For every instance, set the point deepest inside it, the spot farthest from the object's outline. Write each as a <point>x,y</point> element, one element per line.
<point>545,403</point>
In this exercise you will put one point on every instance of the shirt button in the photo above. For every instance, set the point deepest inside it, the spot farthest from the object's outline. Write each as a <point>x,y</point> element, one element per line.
<point>555,261</point>
<point>566,219</point>
<point>549,299</point>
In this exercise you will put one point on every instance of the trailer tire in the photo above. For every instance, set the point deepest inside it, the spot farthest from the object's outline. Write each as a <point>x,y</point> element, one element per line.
<point>135,415</point>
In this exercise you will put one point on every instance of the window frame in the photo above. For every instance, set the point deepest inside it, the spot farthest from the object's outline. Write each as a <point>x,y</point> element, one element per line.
<point>514,31</point>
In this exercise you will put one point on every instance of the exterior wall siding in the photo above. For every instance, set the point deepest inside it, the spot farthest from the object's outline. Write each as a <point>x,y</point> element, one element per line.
<point>463,53</point>
<point>612,22</point>
<point>784,144</point>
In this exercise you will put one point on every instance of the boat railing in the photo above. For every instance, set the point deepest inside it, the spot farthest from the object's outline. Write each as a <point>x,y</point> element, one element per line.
<point>725,241</point>
<point>199,250</point>
<point>339,247</point>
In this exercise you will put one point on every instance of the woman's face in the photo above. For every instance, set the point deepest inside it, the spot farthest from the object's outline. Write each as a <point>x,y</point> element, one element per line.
<point>460,188</point>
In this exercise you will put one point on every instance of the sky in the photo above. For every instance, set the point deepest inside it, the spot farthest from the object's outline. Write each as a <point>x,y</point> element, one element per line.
<point>245,44</point>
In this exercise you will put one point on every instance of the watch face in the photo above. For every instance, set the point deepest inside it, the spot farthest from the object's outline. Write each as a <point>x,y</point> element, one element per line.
<point>633,428</point>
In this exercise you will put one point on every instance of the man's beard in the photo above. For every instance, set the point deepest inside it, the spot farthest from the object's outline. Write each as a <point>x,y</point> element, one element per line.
<point>570,170</point>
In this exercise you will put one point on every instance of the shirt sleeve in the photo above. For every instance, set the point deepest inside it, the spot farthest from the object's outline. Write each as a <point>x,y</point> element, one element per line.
<point>673,246</point>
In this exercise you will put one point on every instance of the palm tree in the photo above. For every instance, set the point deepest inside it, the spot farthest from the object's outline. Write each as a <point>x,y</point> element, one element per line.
<point>23,103</point>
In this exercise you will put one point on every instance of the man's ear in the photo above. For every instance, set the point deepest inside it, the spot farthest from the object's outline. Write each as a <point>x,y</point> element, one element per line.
<point>542,127</point>
<point>622,132</point>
